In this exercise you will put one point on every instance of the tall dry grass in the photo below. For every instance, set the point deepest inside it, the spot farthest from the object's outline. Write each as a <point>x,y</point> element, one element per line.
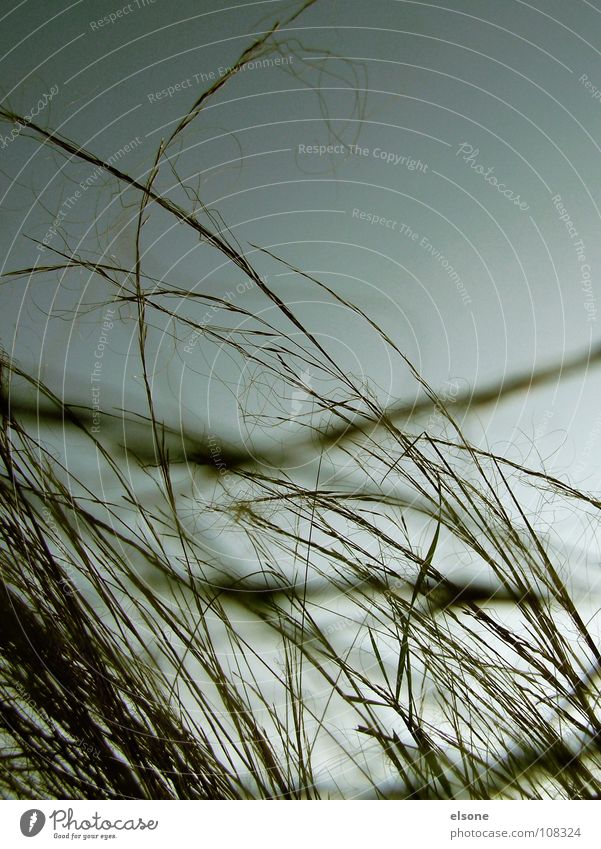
<point>136,663</point>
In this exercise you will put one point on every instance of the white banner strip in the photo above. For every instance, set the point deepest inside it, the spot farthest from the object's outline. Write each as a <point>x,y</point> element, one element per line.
<point>301,825</point>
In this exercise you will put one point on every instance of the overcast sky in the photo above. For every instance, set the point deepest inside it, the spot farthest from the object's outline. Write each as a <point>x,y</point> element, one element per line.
<point>435,163</point>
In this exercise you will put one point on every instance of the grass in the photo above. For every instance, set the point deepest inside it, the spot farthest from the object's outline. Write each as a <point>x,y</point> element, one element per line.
<point>137,662</point>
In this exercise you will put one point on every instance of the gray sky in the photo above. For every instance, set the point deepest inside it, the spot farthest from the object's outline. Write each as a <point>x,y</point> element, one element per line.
<point>442,119</point>
<point>436,164</point>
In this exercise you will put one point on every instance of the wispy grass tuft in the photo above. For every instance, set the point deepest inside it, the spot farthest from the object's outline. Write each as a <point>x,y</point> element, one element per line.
<point>138,661</point>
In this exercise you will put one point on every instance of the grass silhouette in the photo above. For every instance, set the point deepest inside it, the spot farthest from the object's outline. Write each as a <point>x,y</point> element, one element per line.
<point>125,670</point>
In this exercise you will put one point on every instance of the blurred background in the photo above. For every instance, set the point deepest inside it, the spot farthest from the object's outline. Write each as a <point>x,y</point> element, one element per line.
<point>434,164</point>
<point>333,156</point>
